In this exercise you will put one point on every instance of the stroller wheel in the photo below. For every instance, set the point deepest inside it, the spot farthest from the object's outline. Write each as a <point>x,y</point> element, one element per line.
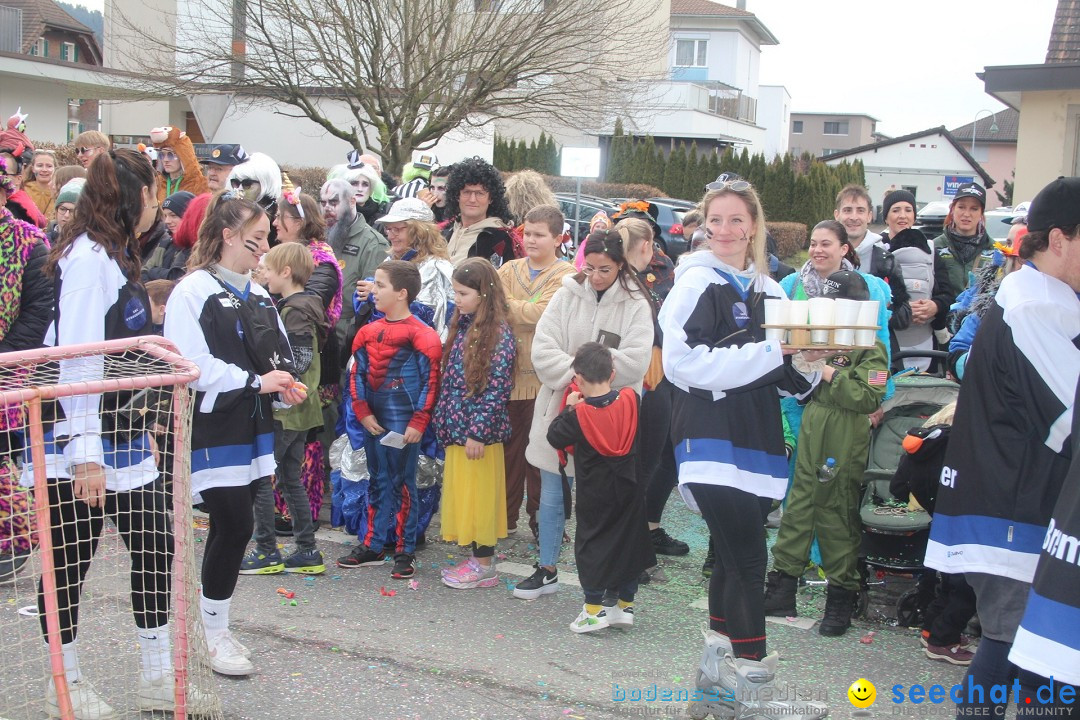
<point>908,612</point>
<point>862,604</point>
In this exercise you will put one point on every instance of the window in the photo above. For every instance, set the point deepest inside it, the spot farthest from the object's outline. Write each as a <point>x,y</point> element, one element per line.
<point>68,52</point>
<point>796,127</point>
<point>836,127</point>
<point>38,48</point>
<point>74,128</point>
<point>829,151</point>
<point>691,53</point>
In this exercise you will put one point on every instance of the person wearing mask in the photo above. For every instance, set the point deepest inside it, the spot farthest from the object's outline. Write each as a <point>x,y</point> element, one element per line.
<point>476,199</point>
<point>926,278</point>
<point>435,196</point>
<point>1010,447</point>
<point>220,164</point>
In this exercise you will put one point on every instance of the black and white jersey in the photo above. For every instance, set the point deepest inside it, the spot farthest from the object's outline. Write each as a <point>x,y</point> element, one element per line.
<point>726,425</point>
<point>95,302</point>
<point>233,335</point>
<point>1010,445</point>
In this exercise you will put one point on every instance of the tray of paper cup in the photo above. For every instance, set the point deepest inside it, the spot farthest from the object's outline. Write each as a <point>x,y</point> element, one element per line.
<point>822,323</point>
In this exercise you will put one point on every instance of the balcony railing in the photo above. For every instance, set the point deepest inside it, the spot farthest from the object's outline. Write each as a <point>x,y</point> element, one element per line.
<point>712,97</point>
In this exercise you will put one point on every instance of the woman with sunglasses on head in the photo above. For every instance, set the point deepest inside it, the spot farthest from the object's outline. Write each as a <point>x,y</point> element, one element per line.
<point>97,469</point>
<point>728,435</point>
<point>177,163</point>
<point>228,325</point>
<point>606,303</point>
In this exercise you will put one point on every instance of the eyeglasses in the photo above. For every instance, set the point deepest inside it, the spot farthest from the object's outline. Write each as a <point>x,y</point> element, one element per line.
<point>478,194</point>
<point>602,272</point>
<point>246,184</point>
<point>65,210</point>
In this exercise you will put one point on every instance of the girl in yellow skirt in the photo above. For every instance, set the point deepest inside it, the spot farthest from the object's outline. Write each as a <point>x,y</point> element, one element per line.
<point>472,423</point>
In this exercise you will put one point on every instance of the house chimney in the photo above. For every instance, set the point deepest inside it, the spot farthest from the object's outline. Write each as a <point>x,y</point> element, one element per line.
<point>741,4</point>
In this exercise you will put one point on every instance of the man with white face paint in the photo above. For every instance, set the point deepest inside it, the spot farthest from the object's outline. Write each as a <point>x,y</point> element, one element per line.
<point>357,246</point>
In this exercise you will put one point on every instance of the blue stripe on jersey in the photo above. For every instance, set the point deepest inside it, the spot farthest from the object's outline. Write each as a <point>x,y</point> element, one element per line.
<point>118,457</point>
<point>1052,620</point>
<point>232,455</point>
<point>988,531</point>
<point>724,451</point>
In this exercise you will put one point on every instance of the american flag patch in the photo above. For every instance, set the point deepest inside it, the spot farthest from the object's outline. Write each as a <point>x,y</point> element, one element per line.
<point>878,377</point>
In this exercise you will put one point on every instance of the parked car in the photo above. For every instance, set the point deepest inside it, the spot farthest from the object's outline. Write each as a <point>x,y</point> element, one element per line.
<point>579,224</point>
<point>670,215</point>
<point>931,218</point>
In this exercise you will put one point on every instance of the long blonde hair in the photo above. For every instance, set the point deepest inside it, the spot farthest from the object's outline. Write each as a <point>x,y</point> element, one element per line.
<point>756,250</point>
<point>426,240</point>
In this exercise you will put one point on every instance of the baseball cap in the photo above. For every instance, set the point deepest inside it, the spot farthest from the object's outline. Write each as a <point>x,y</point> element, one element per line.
<point>228,155</point>
<point>846,284</point>
<point>1057,205</point>
<point>408,209</point>
<point>971,190</point>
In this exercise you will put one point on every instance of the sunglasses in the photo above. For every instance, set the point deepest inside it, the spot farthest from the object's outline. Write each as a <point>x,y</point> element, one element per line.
<point>733,185</point>
<point>84,150</point>
<point>243,183</point>
<point>166,155</point>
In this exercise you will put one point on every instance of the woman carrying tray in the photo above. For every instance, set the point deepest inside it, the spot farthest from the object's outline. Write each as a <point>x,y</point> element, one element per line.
<point>853,385</point>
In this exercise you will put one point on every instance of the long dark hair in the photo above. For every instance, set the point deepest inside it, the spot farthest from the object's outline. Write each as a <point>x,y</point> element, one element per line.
<point>109,209</point>
<point>486,328</point>
<point>837,228</point>
<point>610,243</point>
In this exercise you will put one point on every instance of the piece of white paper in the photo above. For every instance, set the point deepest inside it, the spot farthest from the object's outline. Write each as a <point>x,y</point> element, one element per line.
<point>393,439</point>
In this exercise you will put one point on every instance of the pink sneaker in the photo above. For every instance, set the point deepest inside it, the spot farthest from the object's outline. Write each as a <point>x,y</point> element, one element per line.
<point>456,569</point>
<point>471,574</point>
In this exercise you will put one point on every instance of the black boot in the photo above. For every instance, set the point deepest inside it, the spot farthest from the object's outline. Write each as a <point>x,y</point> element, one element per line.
<point>710,560</point>
<point>780,594</point>
<point>839,605</point>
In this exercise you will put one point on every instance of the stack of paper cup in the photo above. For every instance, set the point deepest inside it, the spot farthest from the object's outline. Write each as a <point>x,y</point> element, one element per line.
<point>821,313</point>
<point>847,313</point>
<point>868,316</point>
<point>776,313</point>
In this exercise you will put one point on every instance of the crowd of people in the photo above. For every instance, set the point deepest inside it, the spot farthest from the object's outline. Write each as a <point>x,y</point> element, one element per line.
<point>447,314</point>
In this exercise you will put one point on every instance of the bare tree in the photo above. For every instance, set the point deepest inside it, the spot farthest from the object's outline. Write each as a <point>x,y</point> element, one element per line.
<point>409,71</point>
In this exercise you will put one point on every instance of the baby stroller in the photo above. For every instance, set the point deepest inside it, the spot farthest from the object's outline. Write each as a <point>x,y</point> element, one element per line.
<point>893,537</point>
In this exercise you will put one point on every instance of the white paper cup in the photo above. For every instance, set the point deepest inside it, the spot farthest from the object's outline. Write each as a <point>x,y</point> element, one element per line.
<point>776,313</point>
<point>821,313</point>
<point>847,313</point>
<point>868,315</point>
<point>798,312</point>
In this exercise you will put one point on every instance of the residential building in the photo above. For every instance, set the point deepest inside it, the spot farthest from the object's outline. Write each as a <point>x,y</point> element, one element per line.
<point>994,147</point>
<point>774,108</point>
<point>822,134</point>
<point>1047,96</point>
<point>930,164</point>
<point>38,39</point>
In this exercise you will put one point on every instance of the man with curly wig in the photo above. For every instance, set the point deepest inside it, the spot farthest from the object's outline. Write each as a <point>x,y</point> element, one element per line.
<point>476,200</point>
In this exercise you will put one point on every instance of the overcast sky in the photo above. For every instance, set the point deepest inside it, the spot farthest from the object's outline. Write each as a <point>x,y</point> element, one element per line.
<point>911,65</point>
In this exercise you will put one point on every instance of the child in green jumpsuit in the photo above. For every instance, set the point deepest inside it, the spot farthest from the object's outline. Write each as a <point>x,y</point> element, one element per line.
<point>834,425</point>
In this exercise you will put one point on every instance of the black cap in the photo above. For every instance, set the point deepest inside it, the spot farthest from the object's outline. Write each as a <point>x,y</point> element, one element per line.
<point>1056,206</point>
<point>846,284</point>
<point>177,202</point>
<point>228,155</point>
<point>971,190</point>
<point>897,196</point>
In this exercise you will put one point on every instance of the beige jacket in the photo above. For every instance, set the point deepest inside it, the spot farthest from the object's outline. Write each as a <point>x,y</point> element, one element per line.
<point>526,300</point>
<point>573,318</point>
<point>463,238</point>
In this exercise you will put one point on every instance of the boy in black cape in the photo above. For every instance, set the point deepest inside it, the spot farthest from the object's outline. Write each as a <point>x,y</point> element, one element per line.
<point>612,544</point>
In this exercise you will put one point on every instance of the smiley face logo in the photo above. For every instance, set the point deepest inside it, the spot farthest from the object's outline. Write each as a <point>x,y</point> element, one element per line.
<point>862,693</point>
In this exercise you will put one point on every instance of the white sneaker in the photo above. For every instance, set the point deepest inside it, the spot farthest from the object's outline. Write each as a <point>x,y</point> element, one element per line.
<point>160,695</point>
<point>227,656</point>
<point>590,623</point>
<point>85,701</point>
<point>620,617</point>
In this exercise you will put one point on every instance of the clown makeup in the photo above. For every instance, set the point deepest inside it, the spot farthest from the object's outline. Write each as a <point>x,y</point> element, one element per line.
<point>363,189</point>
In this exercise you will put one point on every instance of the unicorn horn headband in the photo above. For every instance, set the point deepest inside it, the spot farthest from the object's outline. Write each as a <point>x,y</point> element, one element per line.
<point>293,198</point>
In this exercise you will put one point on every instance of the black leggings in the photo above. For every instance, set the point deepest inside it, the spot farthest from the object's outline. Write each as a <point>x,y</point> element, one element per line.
<point>736,521</point>
<point>141,517</point>
<point>232,520</point>
<point>656,456</point>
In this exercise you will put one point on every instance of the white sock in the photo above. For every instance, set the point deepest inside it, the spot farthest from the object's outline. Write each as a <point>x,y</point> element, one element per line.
<point>215,616</point>
<point>156,648</point>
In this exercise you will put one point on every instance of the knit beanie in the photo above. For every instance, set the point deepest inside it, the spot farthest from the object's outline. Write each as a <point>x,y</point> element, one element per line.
<point>897,196</point>
<point>177,202</point>
<point>71,191</point>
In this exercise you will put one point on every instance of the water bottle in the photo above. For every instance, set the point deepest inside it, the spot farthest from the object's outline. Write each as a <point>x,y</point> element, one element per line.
<point>827,471</point>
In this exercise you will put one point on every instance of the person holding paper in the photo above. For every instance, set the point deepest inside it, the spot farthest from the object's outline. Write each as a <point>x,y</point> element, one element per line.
<point>391,388</point>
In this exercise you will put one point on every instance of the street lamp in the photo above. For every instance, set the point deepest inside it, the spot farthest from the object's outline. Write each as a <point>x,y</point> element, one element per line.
<point>975,127</point>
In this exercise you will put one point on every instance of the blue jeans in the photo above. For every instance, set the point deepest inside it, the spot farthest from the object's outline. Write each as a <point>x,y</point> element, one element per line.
<point>551,517</point>
<point>391,472</point>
